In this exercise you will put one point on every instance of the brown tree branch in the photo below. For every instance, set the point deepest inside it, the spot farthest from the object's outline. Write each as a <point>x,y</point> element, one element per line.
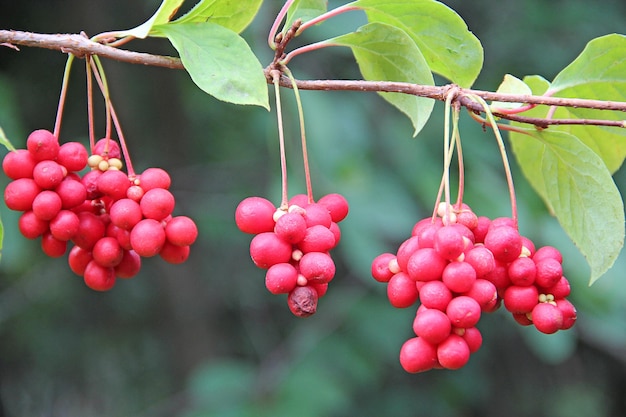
<point>80,45</point>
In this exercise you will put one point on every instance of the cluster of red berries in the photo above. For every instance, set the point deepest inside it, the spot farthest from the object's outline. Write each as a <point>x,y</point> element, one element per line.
<point>459,265</point>
<point>112,219</point>
<point>293,244</point>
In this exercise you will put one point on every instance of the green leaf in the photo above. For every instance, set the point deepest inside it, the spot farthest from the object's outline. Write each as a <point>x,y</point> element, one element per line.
<point>386,53</point>
<point>235,15</point>
<point>5,141</point>
<point>450,49</point>
<point>578,188</point>
<point>164,14</point>
<point>598,73</point>
<point>219,61</point>
<point>305,10</point>
<point>511,85</point>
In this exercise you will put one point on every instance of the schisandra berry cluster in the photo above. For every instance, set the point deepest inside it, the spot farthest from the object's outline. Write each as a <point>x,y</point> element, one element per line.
<point>459,265</point>
<point>112,220</point>
<point>293,245</point>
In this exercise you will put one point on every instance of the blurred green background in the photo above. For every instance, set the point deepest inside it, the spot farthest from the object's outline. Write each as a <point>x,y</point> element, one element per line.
<point>206,338</point>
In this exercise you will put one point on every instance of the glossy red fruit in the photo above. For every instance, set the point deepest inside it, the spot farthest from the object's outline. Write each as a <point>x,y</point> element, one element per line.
<point>181,231</point>
<point>520,299</point>
<point>291,227</point>
<point>90,230</point>
<point>453,353</point>
<point>254,215</point>
<point>380,267</point>
<point>154,178</point>
<point>267,249</point>
<point>42,145</point>
<point>459,276</point>
<point>417,355</point>
<point>47,205</point>
<point>435,294</point>
<point>473,338</point>
<point>125,213</point>
<point>18,164</point>
<point>401,291</point>
<point>337,205</point>
<point>281,278</point>
<point>481,259</point>
<point>548,272</point>
<point>504,242</point>
<point>113,183</point>
<point>449,243</point>
<point>317,267</point>
<point>547,318</point>
<point>73,156</point>
<point>107,252</point>
<point>426,265</point>
<point>463,311</point>
<point>72,193</point>
<point>569,313</point>
<point>317,214</point>
<point>31,226</point>
<point>107,148</point>
<point>147,237</point>
<point>52,246</point>
<point>64,225</point>
<point>317,238</point>
<point>48,174</point>
<point>78,259</point>
<point>522,271</point>
<point>157,204</point>
<point>19,194</point>
<point>485,293</point>
<point>174,254</point>
<point>406,250</point>
<point>98,277</point>
<point>433,325</point>
<point>129,266</point>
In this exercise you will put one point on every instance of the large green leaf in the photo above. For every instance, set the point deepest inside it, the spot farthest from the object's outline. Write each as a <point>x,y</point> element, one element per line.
<point>578,188</point>
<point>598,73</point>
<point>305,10</point>
<point>386,53</point>
<point>219,61</point>
<point>236,15</point>
<point>164,14</point>
<point>450,49</point>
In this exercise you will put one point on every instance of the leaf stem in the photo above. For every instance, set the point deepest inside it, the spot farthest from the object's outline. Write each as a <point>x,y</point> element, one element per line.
<point>271,39</point>
<point>90,117</point>
<point>331,13</point>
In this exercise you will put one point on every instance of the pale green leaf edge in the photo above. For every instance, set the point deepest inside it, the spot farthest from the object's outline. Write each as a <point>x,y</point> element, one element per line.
<point>164,13</point>
<point>237,19</point>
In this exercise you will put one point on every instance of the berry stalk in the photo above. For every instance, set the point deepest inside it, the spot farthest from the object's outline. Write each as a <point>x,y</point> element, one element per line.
<point>66,78</point>
<point>281,141</point>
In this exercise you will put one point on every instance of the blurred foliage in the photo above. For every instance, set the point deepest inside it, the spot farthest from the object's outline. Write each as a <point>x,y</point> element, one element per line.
<point>206,338</point>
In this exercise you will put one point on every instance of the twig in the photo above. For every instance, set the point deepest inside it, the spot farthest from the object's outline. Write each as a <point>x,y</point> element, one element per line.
<point>80,46</point>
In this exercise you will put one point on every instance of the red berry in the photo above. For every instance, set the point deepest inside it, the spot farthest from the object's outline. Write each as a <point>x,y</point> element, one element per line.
<point>281,278</point>
<point>547,252</point>
<point>317,267</point>
<point>154,178</point>
<point>174,254</point>
<point>481,259</point>
<point>485,293</point>
<point>291,227</point>
<point>90,182</point>
<point>31,226</point>
<point>113,183</point>
<point>547,318</point>
<point>463,311</point>
<point>417,355</point>
<point>48,174</point>
<point>559,290</point>
<point>157,204</point>
<point>426,234</point>
<point>380,267</point>
<point>73,193</point>
<point>52,246</point>
<point>107,252</point>
<point>459,276</point>
<point>504,242</point>
<point>425,265</point>
<point>435,294</point>
<point>90,230</point>
<point>401,291</point>
<point>64,225</point>
<point>18,164</point>
<point>267,249</point>
<point>43,145</point>
<point>300,200</point>
<point>98,277</point>
<point>317,239</point>
<point>129,266</point>
<point>19,194</point>
<point>522,271</point>
<point>569,313</point>
<point>302,301</point>
<point>336,204</point>
<point>433,325</point>
<point>147,237</point>
<point>47,205</point>
<point>78,259</point>
<point>549,272</point>
<point>125,213</point>
<point>181,231</point>
<point>255,215</point>
<point>317,214</point>
<point>473,338</point>
<point>406,249</point>
<point>453,353</point>
<point>499,277</point>
<point>107,148</point>
<point>449,243</point>
<point>481,229</point>
<point>521,299</point>
<point>73,156</point>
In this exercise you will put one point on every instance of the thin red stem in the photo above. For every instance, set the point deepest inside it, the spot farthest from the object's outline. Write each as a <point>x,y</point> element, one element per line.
<point>303,49</point>
<point>271,39</point>
<point>63,95</point>
<point>90,118</point>
<point>331,13</point>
